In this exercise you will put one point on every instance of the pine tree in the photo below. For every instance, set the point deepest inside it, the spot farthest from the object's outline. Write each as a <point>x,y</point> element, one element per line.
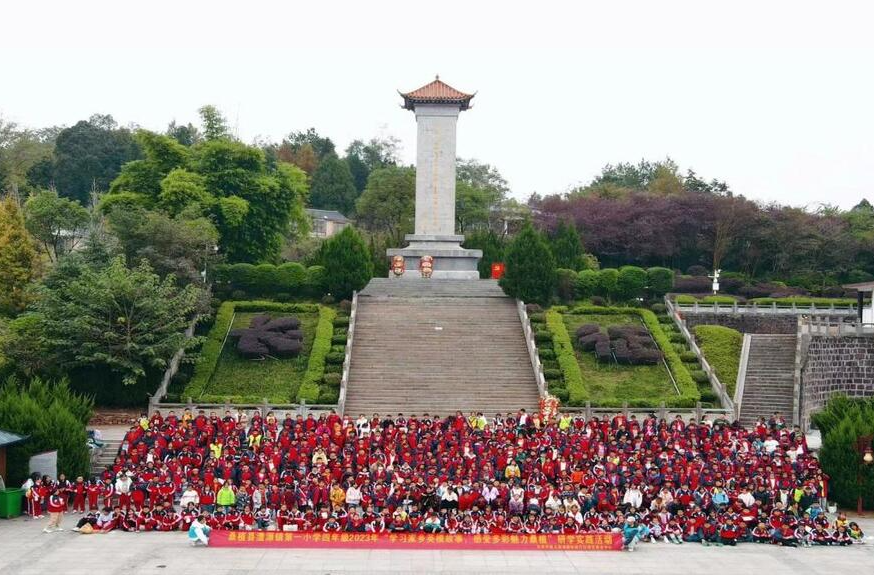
<point>530,268</point>
<point>567,247</point>
<point>19,261</point>
<point>347,262</point>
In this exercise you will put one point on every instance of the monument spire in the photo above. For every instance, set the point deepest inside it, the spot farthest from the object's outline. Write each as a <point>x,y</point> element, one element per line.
<point>437,106</point>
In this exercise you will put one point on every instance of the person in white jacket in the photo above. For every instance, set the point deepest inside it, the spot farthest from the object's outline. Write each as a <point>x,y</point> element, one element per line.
<point>633,497</point>
<point>198,533</point>
<point>190,495</point>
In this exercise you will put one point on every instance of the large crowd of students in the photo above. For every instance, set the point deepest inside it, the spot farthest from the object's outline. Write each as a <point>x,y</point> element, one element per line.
<point>654,480</point>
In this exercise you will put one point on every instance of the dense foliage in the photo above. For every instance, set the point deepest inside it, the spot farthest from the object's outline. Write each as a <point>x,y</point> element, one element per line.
<point>19,263</point>
<point>842,423</point>
<point>52,418</point>
<point>530,268</point>
<point>650,215</point>
<point>347,263</point>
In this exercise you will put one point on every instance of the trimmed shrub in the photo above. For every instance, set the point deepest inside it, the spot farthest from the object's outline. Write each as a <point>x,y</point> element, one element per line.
<point>309,387</point>
<point>316,283</point>
<point>720,299</point>
<point>678,337</point>
<point>328,396</point>
<point>333,368</point>
<point>603,351</point>
<point>631,282</point>
<point>588,342</point>
<point>689,357</point>
<point>561,393</point>
<point>340,321</point>
<point>335,357</point>
<point>608,283</point>
<point>542,336</point>
<point>537,318</point>
<point>660,309</point>
<point>660,281</point>
<point>567,359</point>
<point>332,379</point>
<point>546,353</point>
<point>291,277</point>
<point>699,376</point>
<point>686,284</point>
<point>587,329</point>
<point>533,308</point>
<point>597,300</point>
<point>586,284</point>
<point>804,301</point>
<point>721,347</point>
<point>709,396</point>
<point>685,299</point>
<point>211,350</point>
<point>340,338</point>
<point>552,373</point>
<point>642,356</point>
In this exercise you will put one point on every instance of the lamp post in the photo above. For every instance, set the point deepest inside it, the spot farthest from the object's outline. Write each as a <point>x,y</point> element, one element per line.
<point>864,448</point>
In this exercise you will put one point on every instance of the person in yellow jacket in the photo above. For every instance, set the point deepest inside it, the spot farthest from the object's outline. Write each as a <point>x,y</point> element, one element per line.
<point>216,448</point>
<point>226,497</point>
<point>564,422</point>
<point>337,496</point>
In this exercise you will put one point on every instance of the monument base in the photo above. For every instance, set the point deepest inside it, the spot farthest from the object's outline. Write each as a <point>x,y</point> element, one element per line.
<point>451,261</point>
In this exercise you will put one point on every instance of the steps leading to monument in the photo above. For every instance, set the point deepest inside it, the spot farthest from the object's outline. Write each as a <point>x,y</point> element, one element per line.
<point>769,383</point>
<point>438,346</point>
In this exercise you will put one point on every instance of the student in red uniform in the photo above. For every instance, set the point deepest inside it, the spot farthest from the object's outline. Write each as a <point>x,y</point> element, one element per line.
<point>79,490</point>
<point>94,490</point>
<point>56,505</point>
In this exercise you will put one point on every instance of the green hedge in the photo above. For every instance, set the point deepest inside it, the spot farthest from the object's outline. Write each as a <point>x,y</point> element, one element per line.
<point>689,394</point>
<point>726,299</point>
<point>567,359</point>
<point>721,347</point>
<point>309,387</point>
<point>212,346</point>
<point>290,278</point>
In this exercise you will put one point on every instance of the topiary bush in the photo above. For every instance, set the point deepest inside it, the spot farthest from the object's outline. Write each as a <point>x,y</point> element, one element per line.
<point>335,357</point>
<point>542,336</point>
<point>338,339</point>
<point>332,379</point>
<point>689,357</point>
<point>537,318</point>
<point>341,321</point>
<point>328,396</point>
<point>545,353</point>
<point>699,376</point>
<point>659,309</point>
<point>552,373</point>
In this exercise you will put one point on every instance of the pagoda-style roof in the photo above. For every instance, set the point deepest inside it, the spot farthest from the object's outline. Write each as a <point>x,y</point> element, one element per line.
<point>439,93</point>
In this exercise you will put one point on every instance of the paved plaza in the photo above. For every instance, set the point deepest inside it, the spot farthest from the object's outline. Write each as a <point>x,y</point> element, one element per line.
<point>26,550</point>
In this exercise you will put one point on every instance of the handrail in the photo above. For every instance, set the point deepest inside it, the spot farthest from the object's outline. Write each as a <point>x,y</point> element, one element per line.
<point>536,364</point>
<point>716,385</point>
<point>347,360</point>
<point>742,374</point>
<point>828,326</point>
<point>774,308</point>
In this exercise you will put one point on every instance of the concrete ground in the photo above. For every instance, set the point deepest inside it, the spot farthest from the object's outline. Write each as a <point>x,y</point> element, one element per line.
<point>26,550</point>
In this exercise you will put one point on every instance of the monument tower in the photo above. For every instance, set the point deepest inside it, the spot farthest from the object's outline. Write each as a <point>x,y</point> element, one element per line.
<point>437,106</point>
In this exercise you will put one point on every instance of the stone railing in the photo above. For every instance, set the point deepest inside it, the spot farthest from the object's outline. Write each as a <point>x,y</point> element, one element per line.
<point>742,374</point>
<point>662,411</point>
<point>830,326</point>
<point>347,361</point>
<point>716,385</point>
<point>279,409</point>
<point>536,364</point>
<point>773,308</point>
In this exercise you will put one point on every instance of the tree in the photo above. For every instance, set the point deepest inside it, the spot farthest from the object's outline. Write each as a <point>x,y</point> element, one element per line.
<point>588,284</point>
<point>53,418</point>
<point>182,189</point>
<point>845,421</point>
<point>305,150</point>
<point>183,245</point>
<point>59,224</point>
<point>472,207</point>
<point>567,247</point>
<point>187,134</point>
<point>126,319</point>
<point>347,263</point>
<point>89,155</point>
<point>608,283</point>
<point>388,202</point>
<point>215,127</point>
<point>530,273</point>
<point>19,261</point>
<point>333,187</point>
<point>363,158</point>
<point>25,157</point>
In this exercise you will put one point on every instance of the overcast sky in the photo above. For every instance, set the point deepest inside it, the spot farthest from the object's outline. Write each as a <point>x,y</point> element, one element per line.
<point>776,98</point>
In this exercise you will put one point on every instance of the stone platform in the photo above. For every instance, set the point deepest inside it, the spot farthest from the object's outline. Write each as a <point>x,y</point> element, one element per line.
<point>25,550</point>
<point>451,261</point>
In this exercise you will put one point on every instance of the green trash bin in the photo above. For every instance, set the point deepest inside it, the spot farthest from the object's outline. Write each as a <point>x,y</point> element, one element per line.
<point>10,502</point>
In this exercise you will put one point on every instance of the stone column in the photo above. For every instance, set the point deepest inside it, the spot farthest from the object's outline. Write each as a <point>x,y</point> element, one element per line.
<point>435,170</point>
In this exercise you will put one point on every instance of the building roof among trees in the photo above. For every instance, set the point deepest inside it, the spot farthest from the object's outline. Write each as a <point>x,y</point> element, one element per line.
<point>9,438</point>
<point>329,215</point>
<point>437,92</point>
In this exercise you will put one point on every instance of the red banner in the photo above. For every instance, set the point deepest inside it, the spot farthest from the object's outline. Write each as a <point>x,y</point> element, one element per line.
<point>505,542</point>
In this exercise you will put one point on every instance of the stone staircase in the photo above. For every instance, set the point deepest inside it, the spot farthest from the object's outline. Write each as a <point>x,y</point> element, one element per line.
<point>438,346</point>
<point>106,456</point>
<point>769,383</point>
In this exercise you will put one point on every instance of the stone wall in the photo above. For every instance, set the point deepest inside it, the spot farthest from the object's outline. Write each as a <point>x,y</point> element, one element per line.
<point>763,323</point>
<point>836,364</point>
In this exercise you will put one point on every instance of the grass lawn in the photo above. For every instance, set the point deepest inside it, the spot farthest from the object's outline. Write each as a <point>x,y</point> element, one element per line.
<point>612,381</point>
<point>275,379</point>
